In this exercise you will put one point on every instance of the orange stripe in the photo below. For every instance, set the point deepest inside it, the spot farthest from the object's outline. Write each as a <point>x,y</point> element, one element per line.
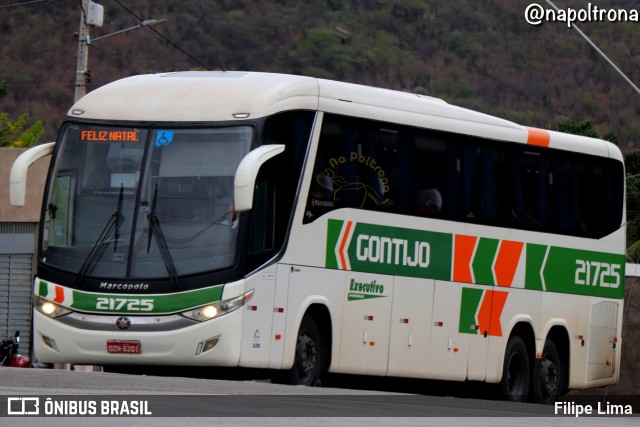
<point>484,314</point>
<point>59,295</point>
<point>507,262</point>
<point>539,137</point>
<point>462,258</point>
<point>499,299</point>
<point>491,311</point>
<point>343,244</point>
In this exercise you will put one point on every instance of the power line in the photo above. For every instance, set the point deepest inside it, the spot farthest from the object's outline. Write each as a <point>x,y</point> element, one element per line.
<point>593,45</point>
<point>29,76</point>
<point>42,84</point>
<point>22,4</point>
<point>164,37</point>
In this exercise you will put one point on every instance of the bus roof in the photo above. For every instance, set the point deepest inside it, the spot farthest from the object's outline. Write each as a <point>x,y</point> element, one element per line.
<point>209,96</point>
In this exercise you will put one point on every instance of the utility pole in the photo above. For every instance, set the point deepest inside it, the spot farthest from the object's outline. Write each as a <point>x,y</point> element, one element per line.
<point>90,15</point>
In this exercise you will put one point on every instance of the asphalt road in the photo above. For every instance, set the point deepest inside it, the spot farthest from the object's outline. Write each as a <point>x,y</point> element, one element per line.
<point>183,401</point>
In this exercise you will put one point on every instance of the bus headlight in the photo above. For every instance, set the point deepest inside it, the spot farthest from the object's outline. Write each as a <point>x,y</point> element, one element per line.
<point>49,308</point>
<point>217,309</point>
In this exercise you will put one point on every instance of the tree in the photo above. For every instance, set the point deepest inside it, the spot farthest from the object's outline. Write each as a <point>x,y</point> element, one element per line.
<point>632,162</point>
<point>4,89</point>
<point>18,133</point>
<point>584,128</point>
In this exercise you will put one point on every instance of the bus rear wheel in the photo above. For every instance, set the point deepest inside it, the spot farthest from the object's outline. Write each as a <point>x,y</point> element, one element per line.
<point>514,385</point>
<point>548,378</point>
<point>308,358</point>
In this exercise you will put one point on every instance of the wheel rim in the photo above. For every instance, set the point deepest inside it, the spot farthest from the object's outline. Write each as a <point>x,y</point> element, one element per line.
<point>548,377</point>
<point>308,355</point>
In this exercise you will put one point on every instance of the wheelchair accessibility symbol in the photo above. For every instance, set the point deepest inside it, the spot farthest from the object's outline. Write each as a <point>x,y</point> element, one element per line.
<point>165,137</point>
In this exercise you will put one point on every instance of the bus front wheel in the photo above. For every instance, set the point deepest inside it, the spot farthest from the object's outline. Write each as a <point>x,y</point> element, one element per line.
<point>514,385</point>
<point>308,358</point>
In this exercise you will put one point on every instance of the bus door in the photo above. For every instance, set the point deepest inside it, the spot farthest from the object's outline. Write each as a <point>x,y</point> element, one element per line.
<point>258,319</point>
<point>366,320</point>
<point>411,325</point>
<point>449,349</point>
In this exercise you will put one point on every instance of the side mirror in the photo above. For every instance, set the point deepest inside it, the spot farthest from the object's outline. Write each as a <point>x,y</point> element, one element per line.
<point>17,336</point>
<point>18,175</point>
<point>245,179</point>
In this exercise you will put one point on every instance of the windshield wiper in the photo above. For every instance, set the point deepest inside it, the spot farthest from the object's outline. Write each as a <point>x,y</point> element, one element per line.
<point>156,230</point>
<point>111,229</point>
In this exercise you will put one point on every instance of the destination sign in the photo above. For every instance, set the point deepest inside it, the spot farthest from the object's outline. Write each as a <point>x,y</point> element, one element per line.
<point>103,135</point>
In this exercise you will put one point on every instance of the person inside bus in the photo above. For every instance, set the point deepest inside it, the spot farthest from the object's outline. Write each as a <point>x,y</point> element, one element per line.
<point>429,201</point>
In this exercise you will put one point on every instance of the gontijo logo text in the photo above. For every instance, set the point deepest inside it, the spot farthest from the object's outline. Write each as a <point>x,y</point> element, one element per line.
<point>388,250</point>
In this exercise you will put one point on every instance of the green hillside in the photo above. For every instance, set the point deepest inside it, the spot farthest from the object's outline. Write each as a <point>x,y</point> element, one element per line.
<point>479,54</point>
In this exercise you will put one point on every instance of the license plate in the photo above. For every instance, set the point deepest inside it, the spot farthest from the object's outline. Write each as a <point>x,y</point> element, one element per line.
<point>126,347</point>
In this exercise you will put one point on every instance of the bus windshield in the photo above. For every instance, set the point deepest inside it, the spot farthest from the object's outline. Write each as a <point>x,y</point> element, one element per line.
<point>143,203</point>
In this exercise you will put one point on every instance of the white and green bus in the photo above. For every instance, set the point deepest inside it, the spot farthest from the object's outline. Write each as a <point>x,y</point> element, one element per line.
<point>311,226</point>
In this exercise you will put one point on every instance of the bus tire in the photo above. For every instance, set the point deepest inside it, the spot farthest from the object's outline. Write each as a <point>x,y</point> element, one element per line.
<point>514,385</point>
<point>308,357</point>
<point>548,376</point>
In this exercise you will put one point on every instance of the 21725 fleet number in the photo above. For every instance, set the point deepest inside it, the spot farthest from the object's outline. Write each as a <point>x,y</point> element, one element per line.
<point>591,273</point>
<point>124,304</point>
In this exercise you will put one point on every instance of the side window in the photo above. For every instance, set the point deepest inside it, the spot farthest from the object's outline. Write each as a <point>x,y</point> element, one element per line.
<point>61,210</point>
<point>566,180</point>
<point>277,183</point>
<point>263,222</point>
<point>434,162</point>
<point>478,182</point>
<point>599,208</point>
<point>534,177</point>
<point>427,173</point>
<point>587,192</point>
<point>357,166</point>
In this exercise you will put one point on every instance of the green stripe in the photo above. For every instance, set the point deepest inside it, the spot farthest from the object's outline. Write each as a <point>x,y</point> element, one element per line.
<point>162,304</point>
<point>575,271</point>
<point>483,261</point>
<point>43,290</point>
<point>468,308</point>
<point>535,258</point>
<point>357,297</point>
<point>396,251</point>
<point>333,234</point>
<point>141,304</point>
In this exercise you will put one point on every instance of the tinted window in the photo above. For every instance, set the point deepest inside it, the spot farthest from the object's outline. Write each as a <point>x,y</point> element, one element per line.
<point>379,166</point>
<point>357,166</point>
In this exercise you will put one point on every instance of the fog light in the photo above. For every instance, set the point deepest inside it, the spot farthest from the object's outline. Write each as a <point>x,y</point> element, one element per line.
<point>50,342</point>
<point>208,345</point>
<point>204,346</point>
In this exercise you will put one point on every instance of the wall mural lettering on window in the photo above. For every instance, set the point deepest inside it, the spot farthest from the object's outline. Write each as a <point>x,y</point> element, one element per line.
<point>354,190</point>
